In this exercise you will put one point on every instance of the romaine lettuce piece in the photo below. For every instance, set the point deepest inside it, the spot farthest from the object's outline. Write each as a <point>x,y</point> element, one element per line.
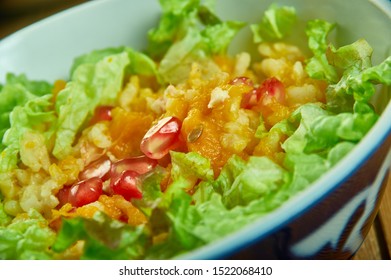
<point>318,67</point>
<point>91,85</point>
<point>357,55</point>
<point>5,219</point>
<point>260,177</point>
<point>177,62</point>
<point>230,171</point>
<point>339,151</point>
<point>357,75</point>
<point>177,18</point>
<point>104,238</point>
<point>37,88</point>
<point>191,166</point>
<point>359,83</point>
<point>305,169</point>
<point>27,237</point>
<point>188,32</point>
<point>16,91</point>
<point>36,114</point>
<point>140,63</point>
<point>276,23</point>
<point>218,37</point>
<point>317,131</point>
<point>298,125</point>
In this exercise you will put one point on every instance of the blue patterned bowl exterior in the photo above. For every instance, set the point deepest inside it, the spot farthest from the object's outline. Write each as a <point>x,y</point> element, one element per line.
<point>331,218</point>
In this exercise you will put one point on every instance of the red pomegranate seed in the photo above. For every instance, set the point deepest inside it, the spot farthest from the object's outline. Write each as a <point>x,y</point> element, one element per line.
<point>127,185</point>
<point>271,88</point>
<point>102,113</point>
<point>85,192</point>
<point>161,138</point>
<point>249,99</point>
<point>99,168</point>
<point>140,165</point>
<point>63,196</point>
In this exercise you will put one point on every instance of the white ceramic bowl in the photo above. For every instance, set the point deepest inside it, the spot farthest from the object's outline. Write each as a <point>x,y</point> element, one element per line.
<point>331,217</point>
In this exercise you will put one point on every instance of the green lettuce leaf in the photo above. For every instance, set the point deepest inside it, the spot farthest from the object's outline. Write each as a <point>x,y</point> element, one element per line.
<point>152,193</point>
<point>94,57</point>
<point>260,177</point>
<point>204,192</point>
<point>140,63</point>
<point>190,225</point>
<point>177,7</point>
<point>181,17</point>
<point>357,77</point>
<point>305,169</point>
<point>212,227</point>
<point>298,125</point>
<point>91,85</point>
<point>37,88</point>
<point>218,37</point>
<point>191,166</point>
<point>188,32</point>
<point>318,67</point>
<point>173,220</point>
<point>318,131</point>
<point>26,238</point>
<point>357,55</point>
<point>104,238</point>
<point>36,114</point>
<point>351,60</point>
<point>360,83</point>
<point>299,171</point>
<point>17,91</point>
<point>183,216</point>
<point>231,170</point>
<point>339,151</point>
<point>276,23</point>
<point>177,62</point>
<point>195,224</point>
<point>176,18</point>
<point>24,105</point>
<point>5,219</point>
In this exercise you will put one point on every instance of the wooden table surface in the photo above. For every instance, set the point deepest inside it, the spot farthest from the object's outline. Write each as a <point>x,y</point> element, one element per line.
<point>377,244</point>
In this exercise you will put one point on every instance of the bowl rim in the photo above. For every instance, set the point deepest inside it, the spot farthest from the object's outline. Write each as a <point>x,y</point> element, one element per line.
<point>296,205</point>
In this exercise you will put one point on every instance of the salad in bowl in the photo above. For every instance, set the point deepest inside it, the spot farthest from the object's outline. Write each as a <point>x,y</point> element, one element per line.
<point>153,154</point>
